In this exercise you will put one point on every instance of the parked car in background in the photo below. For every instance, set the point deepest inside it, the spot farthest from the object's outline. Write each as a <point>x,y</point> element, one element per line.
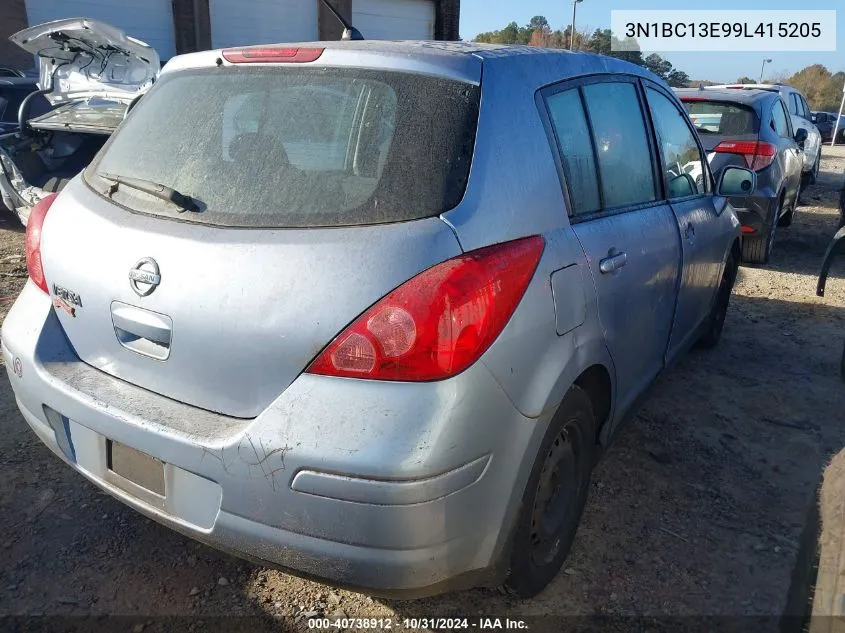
<point>834,249</point>
<point>13,90</point>
<point>751,128</point>
<point>801,117</point>
<point>413,400</point>
<point>826,123</point>
<point>89,73</point>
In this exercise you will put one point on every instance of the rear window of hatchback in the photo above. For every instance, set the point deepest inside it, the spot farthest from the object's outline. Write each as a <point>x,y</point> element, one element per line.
<point>722,117</point>
<point>296,147</point>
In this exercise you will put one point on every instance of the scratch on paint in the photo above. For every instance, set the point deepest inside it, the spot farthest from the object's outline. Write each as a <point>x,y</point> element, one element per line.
<point>263,460</point>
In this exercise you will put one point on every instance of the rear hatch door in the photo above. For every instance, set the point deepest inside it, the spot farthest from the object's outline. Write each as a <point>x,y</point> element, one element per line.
<point>313,193</point>
<point>722,123</point>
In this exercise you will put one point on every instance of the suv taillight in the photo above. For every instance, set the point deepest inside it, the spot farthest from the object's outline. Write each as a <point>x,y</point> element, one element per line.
<point>438,323</point>
<point>758,155</point>
<point>33,241</point>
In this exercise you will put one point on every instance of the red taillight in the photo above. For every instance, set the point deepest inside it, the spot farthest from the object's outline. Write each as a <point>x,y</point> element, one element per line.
<point>271,54</point>
<point>33,241</point>
<point>758,155</point>
<point>438,323</point>
<point>748,229</point>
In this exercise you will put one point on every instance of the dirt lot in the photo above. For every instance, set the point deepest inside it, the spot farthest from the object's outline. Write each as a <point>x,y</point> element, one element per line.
<point>697,510</point>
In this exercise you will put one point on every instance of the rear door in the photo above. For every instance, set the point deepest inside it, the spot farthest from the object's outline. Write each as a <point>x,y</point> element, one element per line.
<point>628,234</point>
<point>789,155</point>
<point>689,188</point>
<point>800,118</point>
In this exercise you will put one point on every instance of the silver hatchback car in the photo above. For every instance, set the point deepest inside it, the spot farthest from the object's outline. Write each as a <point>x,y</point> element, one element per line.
<point>369,311</point>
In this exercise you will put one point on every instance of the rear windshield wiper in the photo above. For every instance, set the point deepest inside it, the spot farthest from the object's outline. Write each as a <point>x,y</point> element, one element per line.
<point>163,192</point>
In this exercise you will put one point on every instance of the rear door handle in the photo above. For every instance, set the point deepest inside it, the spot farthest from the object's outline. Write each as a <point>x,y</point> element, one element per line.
<point>142,331</point>
<point>612,263</point>
<point>689,232</point>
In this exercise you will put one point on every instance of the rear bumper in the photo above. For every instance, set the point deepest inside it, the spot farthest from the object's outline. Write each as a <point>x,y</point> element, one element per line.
<point>397,489</point>
<point>756,213</point>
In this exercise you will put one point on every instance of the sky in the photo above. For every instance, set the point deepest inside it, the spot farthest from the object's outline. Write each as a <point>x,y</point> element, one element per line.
<point>478,16</point>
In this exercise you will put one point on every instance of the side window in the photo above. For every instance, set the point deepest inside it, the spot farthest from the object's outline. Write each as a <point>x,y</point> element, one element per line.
<point>576,150</point>
<point>805,108</point>
<point>780,122</point>
<point>621,144</point>
<point>684,168</point>
<point>793,104</point>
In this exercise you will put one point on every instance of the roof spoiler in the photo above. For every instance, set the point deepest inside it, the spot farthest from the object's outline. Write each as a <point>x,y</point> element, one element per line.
<point>349,31</point>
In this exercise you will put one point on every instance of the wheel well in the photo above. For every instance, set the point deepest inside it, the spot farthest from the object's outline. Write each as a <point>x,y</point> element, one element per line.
<point>595,381</point>
<point>736,251</point>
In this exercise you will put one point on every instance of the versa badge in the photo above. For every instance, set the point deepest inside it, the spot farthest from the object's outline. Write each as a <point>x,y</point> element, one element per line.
<point>66,300</point>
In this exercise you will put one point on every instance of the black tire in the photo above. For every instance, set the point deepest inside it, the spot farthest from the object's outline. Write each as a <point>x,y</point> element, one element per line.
<point>787,218</point>
<point>842,365</point>
<point>554,497</point>
<point>814,172</point>
<point>716,321</point>
<point>758,249</point>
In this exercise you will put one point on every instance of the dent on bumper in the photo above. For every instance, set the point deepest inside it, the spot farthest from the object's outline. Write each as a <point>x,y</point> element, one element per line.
<point>392,487</point>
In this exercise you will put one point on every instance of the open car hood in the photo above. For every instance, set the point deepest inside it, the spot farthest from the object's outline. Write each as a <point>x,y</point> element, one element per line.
<point>83,58</point>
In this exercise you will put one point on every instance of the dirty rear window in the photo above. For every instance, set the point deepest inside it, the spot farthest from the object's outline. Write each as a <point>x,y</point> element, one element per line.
<point>296,147</point>
<point>722,117</point>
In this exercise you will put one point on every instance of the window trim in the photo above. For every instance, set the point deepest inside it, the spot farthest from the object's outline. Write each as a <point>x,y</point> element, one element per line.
<point>808,114</point>
<point>793,96</point>
<point>541,98</point>
<point>709,191</point>
<point>785,111</point>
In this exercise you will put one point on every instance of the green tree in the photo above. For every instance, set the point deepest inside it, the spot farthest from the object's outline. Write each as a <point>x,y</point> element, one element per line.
<point>539,23</point>
<point>659,66</point>
<point>746,80</point>
<point>678,79</point>
<point>511,34</point>
<point>822,88</point>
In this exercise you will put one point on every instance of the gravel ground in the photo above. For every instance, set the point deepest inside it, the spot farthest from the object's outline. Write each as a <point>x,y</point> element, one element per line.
<point>696,510</point>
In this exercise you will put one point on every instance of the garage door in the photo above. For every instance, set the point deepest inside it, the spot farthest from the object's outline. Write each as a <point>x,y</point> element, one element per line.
<point>394,19</point>
<point>236,23</point>
<point>150,21</point>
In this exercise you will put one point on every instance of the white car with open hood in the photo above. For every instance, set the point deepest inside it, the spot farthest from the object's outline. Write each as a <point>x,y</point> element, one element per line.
<point>90,72</point>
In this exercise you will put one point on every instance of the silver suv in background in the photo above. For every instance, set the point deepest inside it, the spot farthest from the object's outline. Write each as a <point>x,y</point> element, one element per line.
<point>368,311</point>
<point>802,119</point>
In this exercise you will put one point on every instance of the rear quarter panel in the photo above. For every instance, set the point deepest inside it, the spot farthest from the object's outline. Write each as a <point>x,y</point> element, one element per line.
<point>514,191</point>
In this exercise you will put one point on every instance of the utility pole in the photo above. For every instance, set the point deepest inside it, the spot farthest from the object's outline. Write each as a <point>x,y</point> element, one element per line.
<point>572,31</point>
<point>765,61</point>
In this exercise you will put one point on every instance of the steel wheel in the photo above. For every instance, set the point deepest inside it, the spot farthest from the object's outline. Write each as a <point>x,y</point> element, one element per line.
<point>554,496</point>
<point>560,484</point>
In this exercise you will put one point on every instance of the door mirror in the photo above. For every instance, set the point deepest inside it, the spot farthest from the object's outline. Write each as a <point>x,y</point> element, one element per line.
<point>836,246</point>
<point>736,182</point>
<point>800,136</point>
